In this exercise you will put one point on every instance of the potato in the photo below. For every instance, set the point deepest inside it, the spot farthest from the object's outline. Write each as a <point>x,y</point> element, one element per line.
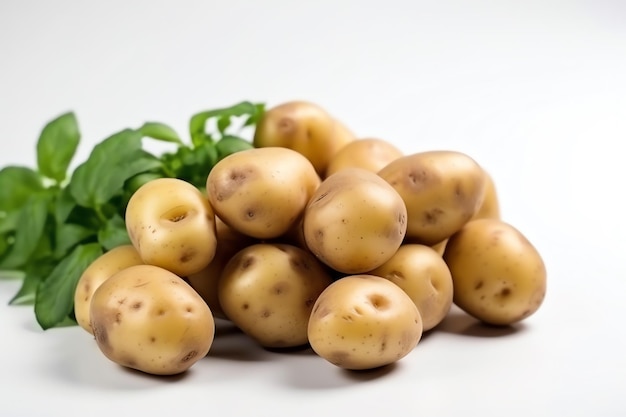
<point>442,191</point>
<point>498,275</point>
<point>355,221</point>
<point>372,154</point>
<point>205,282</point>
<point>304,127</point>
<point>261,192</point>
<point>96,273</point>
<point>421,272</point>
<point>268,291</point>
<point>172,225</point>
<point>147,318</point>
<point>364,322</point>
<point>490,206</point>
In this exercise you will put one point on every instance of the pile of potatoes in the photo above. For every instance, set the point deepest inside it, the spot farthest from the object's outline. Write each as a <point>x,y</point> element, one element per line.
<point>313,238</point>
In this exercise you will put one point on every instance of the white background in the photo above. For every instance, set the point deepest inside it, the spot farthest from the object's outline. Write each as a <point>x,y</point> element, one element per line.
<point>535,91</point>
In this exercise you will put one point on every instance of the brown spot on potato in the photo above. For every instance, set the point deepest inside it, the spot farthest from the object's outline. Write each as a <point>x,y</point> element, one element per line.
<point>152,339</point>
<point>121,301</point>
<point>187,256</point>
<point>280,287</point>
<point>431,217</point>
<point>101,336</point>
<point>338,357</point>
<point>245,306</point>
<point>161,312</point>
<point>247,262</point>
<point>189,356</point>
<point>231,181</point>
<point>136,305</point>
<point>479,285</point>
<point>309,302</point>
<point>118,318</point>
<point>266,313</point>
<point>505,292</point>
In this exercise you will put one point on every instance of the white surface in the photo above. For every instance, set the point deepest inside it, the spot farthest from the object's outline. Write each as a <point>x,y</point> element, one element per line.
<point>534,90</point>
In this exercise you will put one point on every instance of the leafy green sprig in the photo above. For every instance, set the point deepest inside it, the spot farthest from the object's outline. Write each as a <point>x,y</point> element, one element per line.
<point>54,223</point>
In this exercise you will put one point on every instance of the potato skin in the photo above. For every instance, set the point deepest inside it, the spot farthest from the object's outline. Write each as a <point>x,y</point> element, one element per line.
<point>147,318</point>
<point>96,273</point>
<point>304,127</point>
<point>372,154</point>
<point>261,192</point>
<point>364,322</point>
<point>442,191</point>
<point>355,221</point>
<point>498,276</point>
<point>490,206</point>
<point>205,282</point>
<point>172,225</point>
<point>421,272</point>
<point>268,291</point>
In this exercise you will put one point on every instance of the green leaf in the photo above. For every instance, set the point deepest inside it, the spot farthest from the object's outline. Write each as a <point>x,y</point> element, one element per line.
<point>17,184</point>
<point>4,245</point>
<point>63,205</point>
<point>68,235</point>
<point>9,221</point>
<point>57,145</point>
<point>197,124</point>
<point>231,144</point>
<point>33,276</point>
<point>109,165</point>
<point>32,221</point>
<point>55,295</point>
<point>160,131</point>
<point>114,233</point>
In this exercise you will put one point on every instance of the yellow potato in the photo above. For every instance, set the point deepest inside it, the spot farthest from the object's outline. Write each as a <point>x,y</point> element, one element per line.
<point>261,192</point>
<point>355,221</point>
<point>442,191</point>
<point>268,291</point>
<point>96,273</point>
<point>499,277</point>
<point>304,127</point>
<point>147,318</point>
<point>372,154</point>
<point>364,322</point>
<point>172,225</point>
<point>421,272</point>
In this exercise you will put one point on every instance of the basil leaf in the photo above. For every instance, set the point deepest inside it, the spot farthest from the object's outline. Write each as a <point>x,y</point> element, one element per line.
<point>231,144</point>
<point>55,295</point>
<point>68,235</point>
<point>160,131</point>
<point>57,145</point>
<point>109,165</point>
<point>33,276</point>
<point>114,233</point>
<point>197,124</point>
<point>4,245</point>
<point>9,221</point>
<point>17,184</point>
<point>32,221</point>
<point>63,205</point>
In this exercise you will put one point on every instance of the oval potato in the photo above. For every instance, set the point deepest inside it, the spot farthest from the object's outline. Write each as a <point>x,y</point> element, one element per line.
<point>147,318</point>
<point>364,322</point>
<point>498,276</point>
<point>372,154</point>
<point>442,191</point>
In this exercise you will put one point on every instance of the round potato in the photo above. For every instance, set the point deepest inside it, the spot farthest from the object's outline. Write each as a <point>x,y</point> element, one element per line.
<point>371,154</point>
<point>364,322</point>
<point>268,291</point>
<point>498,275</point>
<point>355,221</point>
<point>172,225</point>
<point>442,191</point>
<point>147,318</point>
<point>205,282</point>
<point>304,127</point>
<point>96,273</point>
<point>421,272</point>
<point>261,192</point>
